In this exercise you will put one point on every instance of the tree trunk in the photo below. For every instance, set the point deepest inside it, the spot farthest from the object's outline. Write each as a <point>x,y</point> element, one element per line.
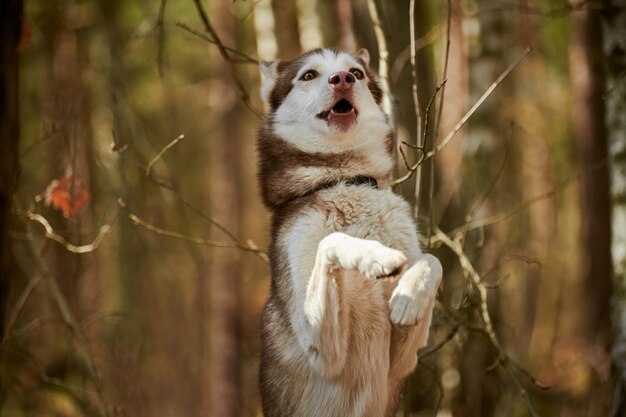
<point>225,269</point>
<point>615,98</point>
<point>10,27</point>
<point>590,134</point>
<point>286,28</point>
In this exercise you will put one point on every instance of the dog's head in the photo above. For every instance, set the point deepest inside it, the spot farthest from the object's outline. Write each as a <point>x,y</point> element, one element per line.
<point>325,101</point>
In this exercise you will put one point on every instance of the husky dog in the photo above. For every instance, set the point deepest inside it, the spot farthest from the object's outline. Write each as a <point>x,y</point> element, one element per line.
<point>352,295</point>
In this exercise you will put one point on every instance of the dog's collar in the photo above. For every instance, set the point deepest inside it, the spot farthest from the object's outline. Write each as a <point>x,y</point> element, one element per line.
<point>358,180</point>
<point>349,181</point>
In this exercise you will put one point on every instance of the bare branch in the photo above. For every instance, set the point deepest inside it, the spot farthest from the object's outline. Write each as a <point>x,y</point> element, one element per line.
<point>52,235</point>
<point>245,58</point>
<point>245,97</point>
<point>383,53</point>
<point>200,241</point>
<point>445,65</point>
<point>252,247</point>
<point>487,221</point>
<point>478,204</point>
<point>470,272</point>
<point>418,147</point>
<point>17,309</point>
<point>416,102</point>
<point>161,39</point>
<point>68,316</point>
<point>478,103</point>
<point>162,152</point>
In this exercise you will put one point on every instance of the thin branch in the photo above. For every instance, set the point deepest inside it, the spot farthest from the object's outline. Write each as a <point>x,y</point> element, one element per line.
<point>465,118</point>
<point>41,140</point>
<point>68,316</point>
<point>487,221</point>
<point>478,103</point>
<point>245,58</point>
<point>245,97</point>
<point>469,270</point>
<point>161,38</point>
<point>455,329</point>
<point>445,65</point>
<point>419,147</point>
<point>252,247</point>
<point>176,235</point>
<point>416,102</point>
<point>383,53</point>
<point>162,152</point>
<point>481,200</point>
<point>17,309</point>
<point>52,235</point>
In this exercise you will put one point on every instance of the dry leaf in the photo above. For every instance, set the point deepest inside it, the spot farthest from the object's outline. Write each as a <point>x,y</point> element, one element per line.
<point>68,195</point>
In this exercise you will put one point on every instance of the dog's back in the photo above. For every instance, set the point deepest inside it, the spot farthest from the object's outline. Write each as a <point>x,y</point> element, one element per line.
<point>333,342</point>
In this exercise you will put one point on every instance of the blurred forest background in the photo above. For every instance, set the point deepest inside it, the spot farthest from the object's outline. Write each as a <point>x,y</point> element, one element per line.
<point>133,269</point>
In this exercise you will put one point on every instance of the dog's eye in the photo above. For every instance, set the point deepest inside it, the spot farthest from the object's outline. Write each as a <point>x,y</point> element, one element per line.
<point>309,75</point>
<point>358,74</point>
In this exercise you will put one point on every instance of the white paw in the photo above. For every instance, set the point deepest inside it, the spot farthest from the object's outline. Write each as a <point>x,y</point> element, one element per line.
<point>406,310</point>
<point>415,292</point>
<point>375,260</point>
<point>370,257</point>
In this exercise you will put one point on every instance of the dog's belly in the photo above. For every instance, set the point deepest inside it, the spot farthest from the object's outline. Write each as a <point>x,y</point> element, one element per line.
<point>362,389</point>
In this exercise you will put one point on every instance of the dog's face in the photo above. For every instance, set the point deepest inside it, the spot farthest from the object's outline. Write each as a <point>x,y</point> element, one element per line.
<point>325,101</point>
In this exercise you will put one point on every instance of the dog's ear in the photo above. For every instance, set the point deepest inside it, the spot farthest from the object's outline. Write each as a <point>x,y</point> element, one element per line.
<point>364,56</point>
<point>270,75</point>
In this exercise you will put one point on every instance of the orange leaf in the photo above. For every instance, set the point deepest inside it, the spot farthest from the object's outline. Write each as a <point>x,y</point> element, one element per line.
<point>68,195</point>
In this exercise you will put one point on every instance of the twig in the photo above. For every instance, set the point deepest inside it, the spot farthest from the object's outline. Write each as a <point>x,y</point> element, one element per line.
<point>478,103</point>
<point>162,152</point>
<point>51,234</point>
<point>176,235</point>
<point>41,140</point>
<point>468,269</point>
<point>161,38</point>
<point>445,65</point>
<point>245,97</point>
<point>416,102</point>
<point>470,215</point>
<point>419,146</point>
<point>17,309</point>
<point>442,343</point>
<point>487,221</point>
<point>383,54</point>
<point>67,315</point>
<point>162,184</point>
<point>244,57</point>
<point>465,118</point>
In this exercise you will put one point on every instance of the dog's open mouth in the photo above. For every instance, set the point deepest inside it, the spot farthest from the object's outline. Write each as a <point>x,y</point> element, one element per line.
<point>341,116</point>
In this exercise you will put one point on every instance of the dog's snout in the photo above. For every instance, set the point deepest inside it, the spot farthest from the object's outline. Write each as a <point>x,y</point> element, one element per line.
<point>341,80</point>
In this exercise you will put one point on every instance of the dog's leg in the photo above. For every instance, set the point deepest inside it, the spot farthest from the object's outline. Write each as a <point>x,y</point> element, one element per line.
<point>411,304</point>
<point>326,328</point>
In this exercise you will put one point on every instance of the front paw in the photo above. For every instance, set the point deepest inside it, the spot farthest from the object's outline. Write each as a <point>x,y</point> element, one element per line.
<point>405,310</point>
<point>376,260</point>
<point>370,257</point>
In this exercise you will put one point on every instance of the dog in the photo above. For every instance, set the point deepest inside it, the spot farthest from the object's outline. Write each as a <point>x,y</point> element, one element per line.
<point>352,294</point>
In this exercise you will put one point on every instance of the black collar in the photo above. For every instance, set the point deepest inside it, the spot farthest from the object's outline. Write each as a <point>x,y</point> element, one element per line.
<point>349,181</point>
<point>358,180</point>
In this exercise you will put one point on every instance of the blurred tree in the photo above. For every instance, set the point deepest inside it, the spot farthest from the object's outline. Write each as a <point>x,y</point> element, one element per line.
<point>10,30</point>
<point>615,50</point>
<point>286,28</point>
<point>224,277</point>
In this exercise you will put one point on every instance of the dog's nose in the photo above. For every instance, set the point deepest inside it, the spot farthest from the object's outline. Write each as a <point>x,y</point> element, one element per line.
<point>341,81</point>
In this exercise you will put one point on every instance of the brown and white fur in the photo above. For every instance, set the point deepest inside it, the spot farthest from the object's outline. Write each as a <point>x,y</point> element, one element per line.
<point>352,294</point>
